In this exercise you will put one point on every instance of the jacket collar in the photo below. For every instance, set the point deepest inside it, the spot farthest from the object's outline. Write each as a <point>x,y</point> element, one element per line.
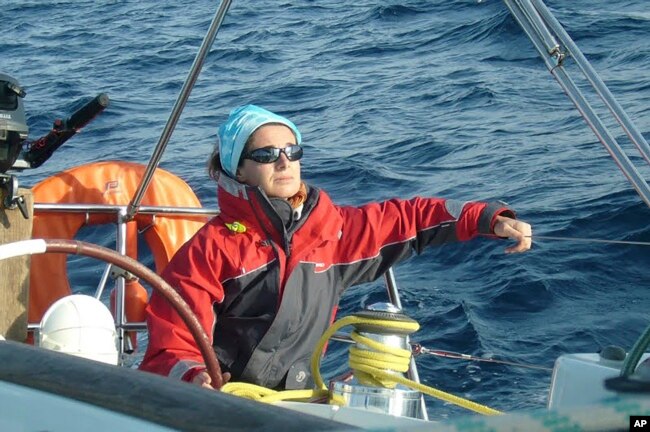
<point>241,202</point>
<point>229,187</point>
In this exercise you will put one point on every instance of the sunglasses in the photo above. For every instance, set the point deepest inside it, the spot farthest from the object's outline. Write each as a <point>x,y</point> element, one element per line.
<point>271,154</point>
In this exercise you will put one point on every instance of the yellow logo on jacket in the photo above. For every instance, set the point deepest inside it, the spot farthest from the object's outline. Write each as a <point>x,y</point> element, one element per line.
<point>236,227</point>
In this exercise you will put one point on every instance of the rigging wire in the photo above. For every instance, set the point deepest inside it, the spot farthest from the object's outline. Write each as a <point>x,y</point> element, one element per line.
<point>419,349</point>
<point>536,237</point>
<point>589,240</point>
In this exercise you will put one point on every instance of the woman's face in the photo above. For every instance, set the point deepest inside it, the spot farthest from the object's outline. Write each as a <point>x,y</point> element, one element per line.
<point>279,179</point>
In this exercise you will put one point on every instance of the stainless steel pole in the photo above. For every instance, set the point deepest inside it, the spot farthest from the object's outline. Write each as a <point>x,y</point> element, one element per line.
<point>120,285</point>
<point>551,53</point>
<point>178,108</point>
<point>592,76</point>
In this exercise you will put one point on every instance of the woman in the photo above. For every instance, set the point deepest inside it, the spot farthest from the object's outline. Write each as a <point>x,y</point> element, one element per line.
<point>265,276</point>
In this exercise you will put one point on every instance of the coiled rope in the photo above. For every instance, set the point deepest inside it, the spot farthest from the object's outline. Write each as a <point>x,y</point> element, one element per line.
<point>369,367</point>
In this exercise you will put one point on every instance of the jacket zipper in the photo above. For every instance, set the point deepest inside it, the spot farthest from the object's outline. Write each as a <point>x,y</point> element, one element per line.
<point>275,250</point>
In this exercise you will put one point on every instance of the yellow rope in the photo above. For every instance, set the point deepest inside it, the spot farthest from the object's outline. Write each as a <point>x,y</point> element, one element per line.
<point>263,394</point>
<point>369,371</point>
<point>369,368</point>
<point>349,320</point>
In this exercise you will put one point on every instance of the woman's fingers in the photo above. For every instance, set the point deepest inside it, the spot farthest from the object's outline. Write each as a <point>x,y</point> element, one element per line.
<point>516,230</point>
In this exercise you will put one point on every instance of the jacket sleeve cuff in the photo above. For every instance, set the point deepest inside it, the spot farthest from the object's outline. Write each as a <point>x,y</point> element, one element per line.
<point>489,216</point>
<point>182,368</point>
<point>190,374</point>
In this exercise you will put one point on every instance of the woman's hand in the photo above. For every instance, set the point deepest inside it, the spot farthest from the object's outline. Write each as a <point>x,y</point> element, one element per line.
<point>202,379</point>
<point>516,230</point>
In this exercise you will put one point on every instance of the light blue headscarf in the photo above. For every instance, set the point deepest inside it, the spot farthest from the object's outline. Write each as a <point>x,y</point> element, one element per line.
<point>241,124</point>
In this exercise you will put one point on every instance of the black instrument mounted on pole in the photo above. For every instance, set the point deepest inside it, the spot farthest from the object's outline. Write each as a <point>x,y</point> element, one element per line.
<point>13,127</point>
<point>16,152</point>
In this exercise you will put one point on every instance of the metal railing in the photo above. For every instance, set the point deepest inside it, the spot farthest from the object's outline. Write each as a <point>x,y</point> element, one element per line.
<point>120,212</point>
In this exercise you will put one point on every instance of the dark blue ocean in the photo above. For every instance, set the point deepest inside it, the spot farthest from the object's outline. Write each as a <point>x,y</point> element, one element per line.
<point>430,98</point>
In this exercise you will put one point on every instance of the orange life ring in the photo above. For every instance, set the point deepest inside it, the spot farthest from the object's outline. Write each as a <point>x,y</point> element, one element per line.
<point>112,183</point>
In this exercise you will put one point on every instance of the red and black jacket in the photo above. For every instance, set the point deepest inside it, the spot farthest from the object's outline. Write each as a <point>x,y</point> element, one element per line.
<point>267,294</point>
